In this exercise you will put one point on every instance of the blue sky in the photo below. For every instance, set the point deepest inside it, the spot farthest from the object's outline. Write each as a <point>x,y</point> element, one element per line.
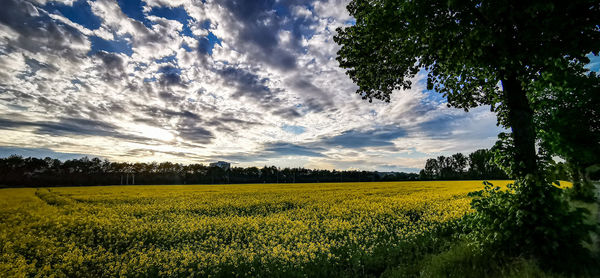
<point>251,82</point>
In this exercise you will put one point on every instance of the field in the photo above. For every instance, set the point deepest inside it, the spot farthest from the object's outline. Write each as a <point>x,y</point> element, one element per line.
<point>340,229</point>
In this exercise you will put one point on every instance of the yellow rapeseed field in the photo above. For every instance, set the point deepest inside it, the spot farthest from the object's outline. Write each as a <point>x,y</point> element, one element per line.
<point>217,230</point>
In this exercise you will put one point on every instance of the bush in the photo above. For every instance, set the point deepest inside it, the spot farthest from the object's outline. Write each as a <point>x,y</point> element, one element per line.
<point>533,219</point>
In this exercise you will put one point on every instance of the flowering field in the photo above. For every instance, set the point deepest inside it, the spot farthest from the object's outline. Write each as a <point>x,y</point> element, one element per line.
<point>222,230</point>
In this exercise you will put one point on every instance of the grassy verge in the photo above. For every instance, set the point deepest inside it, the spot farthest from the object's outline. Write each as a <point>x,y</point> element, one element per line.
<point>458,259</point>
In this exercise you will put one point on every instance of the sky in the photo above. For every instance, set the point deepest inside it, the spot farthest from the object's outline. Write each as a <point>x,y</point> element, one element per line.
<point>250,82</point>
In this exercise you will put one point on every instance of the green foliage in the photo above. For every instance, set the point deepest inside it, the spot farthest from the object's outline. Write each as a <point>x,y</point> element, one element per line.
<point>480,166</point>
<point>531,218</point>
<point>483,166</point>
<point>561,171</point>
<point>467,47</point>
<point>503,152</point>
<point>567,119</point>
<point>568,114</point>
<point>461,260</point>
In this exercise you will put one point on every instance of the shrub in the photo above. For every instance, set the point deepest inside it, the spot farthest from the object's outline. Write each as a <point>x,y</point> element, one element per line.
<point>531,218</point>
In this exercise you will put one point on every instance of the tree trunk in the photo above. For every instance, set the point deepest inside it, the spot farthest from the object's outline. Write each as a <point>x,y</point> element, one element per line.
<point>520,117</point>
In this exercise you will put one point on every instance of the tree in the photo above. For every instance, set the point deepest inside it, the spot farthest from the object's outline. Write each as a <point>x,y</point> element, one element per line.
<point>468,48</point>
<point>459,163</point>
<point>568,121</point>
<point>431,170</point>
<point>445,167</point>
<point>482,166</point>
<point>484,53</point>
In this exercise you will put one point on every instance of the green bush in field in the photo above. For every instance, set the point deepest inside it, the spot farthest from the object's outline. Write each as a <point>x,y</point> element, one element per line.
<point>532,219</point>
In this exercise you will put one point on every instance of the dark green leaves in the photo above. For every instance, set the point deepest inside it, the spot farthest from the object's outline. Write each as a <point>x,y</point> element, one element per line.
<point>467,47</point>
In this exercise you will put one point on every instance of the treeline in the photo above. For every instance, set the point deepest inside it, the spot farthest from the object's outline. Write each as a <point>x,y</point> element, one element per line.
<point>478,165</point>
<point>19,171</point>
<point>31,171</point>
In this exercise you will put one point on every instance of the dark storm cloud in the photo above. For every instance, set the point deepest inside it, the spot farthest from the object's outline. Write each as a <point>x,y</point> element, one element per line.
<point>381,137</point>
<point>38,33</point>
<point>70,126</point>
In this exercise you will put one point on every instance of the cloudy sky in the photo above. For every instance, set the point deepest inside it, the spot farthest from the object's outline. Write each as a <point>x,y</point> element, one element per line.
<point>251,82</point>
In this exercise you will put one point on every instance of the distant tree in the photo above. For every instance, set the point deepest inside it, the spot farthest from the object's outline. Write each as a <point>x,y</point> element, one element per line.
<point>19,171</point>
<point>444,167</point>
<point>431,170</point>
<point>482,166</point>
<point>424,175</point>
<point>479,163</point>
<point>459,164</point>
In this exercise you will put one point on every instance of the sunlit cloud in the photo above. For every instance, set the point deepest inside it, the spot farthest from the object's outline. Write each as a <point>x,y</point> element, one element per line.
<point>251,82</point>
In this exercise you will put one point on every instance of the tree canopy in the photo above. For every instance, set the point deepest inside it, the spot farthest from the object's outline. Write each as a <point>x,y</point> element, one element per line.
<point>469,48</point>
<point>567,120</point>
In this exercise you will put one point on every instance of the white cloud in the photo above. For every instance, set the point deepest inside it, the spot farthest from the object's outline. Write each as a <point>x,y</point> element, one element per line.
<point>335,9</point>
<point>172,100</point>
